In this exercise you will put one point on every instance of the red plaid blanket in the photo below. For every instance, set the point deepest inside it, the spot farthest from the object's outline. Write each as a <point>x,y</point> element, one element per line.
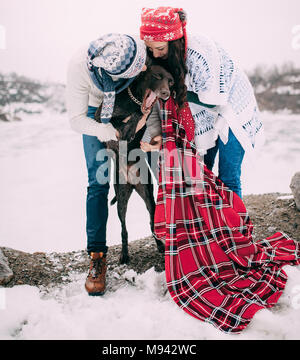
<point>214,270</point>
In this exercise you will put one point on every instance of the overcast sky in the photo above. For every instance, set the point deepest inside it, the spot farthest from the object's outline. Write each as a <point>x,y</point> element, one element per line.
<point>41,35</point>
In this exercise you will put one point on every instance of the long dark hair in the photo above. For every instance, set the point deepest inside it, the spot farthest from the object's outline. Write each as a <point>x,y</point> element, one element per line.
<point>178,68</point>
<point>175,64</point>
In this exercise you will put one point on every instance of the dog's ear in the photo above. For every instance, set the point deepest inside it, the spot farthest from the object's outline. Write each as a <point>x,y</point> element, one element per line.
<point>149,61</point>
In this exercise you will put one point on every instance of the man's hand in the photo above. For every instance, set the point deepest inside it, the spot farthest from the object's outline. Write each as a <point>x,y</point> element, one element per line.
<point>154,145</point>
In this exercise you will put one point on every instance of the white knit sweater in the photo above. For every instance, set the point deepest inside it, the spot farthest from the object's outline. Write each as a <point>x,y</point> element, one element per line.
<point>217,80</point>
<point>80,93</point>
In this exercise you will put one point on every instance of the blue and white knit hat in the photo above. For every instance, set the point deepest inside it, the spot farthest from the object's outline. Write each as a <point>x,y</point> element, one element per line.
<point>114,60</point>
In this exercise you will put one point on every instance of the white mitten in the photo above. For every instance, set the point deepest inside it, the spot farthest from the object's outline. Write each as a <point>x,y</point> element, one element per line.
<point>106,132</point>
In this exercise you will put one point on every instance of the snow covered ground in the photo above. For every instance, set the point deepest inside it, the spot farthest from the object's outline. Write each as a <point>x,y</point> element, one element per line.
<point>42,190</point>
<point>140,310</point>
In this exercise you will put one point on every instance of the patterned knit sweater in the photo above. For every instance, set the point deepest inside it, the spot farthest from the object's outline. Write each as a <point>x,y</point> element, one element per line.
<point>216,80</point>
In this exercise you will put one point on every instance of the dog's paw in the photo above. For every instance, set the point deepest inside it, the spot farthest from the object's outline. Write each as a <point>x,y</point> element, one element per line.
<point>124,259</point>
<point>160,246</point>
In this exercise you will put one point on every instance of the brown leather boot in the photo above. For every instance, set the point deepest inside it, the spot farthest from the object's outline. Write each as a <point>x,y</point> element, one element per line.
<point>95,281</point>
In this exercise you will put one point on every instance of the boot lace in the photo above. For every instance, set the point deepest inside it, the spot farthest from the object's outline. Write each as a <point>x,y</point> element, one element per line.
<point>96,268</point>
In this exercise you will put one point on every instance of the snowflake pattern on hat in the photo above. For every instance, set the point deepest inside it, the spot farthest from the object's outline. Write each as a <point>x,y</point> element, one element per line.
<point>169,36</point>
<point>161,24</point>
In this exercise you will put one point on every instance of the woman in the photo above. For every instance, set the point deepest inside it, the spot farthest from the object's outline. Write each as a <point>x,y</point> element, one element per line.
<point>214,269</point>
<point>219,94</point>
<point>95,74</point>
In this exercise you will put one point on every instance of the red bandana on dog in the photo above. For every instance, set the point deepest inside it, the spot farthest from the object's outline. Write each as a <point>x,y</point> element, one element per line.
<point>214,270</point>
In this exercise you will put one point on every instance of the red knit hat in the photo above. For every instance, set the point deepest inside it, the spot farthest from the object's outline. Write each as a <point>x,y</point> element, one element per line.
<point>162,24</point>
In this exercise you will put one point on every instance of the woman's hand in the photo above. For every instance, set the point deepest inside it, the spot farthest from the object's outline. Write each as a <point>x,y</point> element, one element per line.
<point>154,145</point>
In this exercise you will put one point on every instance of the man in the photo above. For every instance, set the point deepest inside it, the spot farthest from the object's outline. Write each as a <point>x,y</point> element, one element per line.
<point>95,74</point>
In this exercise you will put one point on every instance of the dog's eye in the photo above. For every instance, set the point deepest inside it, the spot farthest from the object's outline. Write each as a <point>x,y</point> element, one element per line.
<point>171,82</point>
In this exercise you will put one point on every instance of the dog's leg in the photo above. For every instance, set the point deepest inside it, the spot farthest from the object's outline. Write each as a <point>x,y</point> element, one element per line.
<point>146,193</point>
<point>127,132</point>
<point>123,193</point>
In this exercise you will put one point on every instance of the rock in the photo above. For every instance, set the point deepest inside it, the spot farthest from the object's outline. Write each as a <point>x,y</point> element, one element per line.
<point>276,213</point>
<point>4,117</point>
<point>5,272</point>
<point>295,187</point>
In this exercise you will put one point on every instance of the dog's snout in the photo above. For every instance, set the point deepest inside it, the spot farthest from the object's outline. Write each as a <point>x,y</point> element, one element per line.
<point>164,94</point>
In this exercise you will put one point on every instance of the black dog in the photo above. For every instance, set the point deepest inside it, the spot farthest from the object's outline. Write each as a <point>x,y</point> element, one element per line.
<point>130,106</point>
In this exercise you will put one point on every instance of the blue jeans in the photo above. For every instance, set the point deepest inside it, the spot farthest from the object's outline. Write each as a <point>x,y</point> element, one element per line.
<point>97,191</point>
<point>230,161</point>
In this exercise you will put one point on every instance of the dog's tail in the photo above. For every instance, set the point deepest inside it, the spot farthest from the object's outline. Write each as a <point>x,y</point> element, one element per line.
<point>114,200</point>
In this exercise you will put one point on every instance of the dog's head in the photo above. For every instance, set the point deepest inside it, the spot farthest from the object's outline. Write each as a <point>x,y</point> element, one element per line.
<point>154,83</point>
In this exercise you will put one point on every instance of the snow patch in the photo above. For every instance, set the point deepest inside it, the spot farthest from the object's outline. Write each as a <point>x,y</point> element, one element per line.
<point>143,310</point>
